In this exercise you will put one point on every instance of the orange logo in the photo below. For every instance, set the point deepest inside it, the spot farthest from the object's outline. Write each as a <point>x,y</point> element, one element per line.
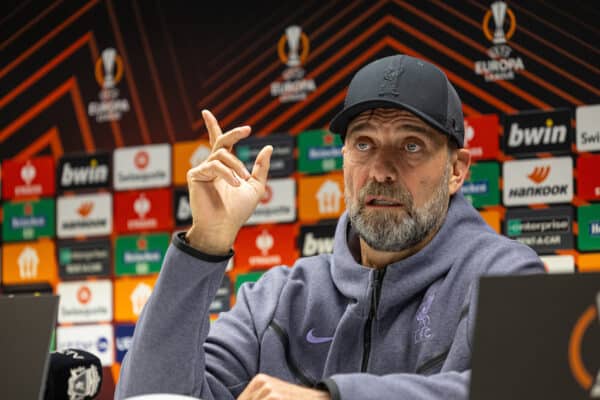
<point>131,294</point>
<point>85,209</point>
<point>29,262</point>
<point>499,14</point>
<point>320,197</point>
<point>539,174</point>
<point>578,369</point>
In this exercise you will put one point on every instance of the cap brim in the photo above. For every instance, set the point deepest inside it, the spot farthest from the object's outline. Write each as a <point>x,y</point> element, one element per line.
<point>339,123</point>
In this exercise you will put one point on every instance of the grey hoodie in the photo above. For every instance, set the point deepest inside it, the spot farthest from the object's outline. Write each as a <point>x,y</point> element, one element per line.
<point>402,332</point>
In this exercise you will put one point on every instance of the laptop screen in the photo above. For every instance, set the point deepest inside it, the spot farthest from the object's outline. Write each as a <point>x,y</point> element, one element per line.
<point>536,337</point>
<point>25,335</point>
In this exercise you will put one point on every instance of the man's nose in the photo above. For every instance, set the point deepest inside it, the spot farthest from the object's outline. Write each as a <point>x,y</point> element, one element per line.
<point>384,168</point>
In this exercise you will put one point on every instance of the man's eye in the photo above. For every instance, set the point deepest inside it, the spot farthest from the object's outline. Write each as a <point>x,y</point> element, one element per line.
<point>412,147</point>
<point>363,146</point>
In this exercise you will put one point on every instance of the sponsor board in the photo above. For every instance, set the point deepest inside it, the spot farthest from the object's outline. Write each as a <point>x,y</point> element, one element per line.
<point>588,127</point>
<point>265,246</point>
<point>544,230</point>
<point>28,220</point>
<point>29,262</point>
<point>282,159</point>
<point>140,255</point>
<point>278,204</point>
<point>320,197</point>
<point>84,171</point>
<point>81,259</point>
<point>492,218</point>
<point>31,178</point>
<point>142,167</point>
<point>499,25</point>
<point>316,239</point>
<point>148,210</point>
<point>482,186</point>
<point>84,215</point>
<point>249,277</point>
<point>85,301</point>
<point>131,294</point>
<point>588,219</point>
<point>187,155</point>
<point>222,300</point>
<point>536,131</point>
<point>182,213</point>
<point>123,338</point>
<point>544,180</point>
<point>482,136</point>
<point>319,151</point>
<point>588,179</point>
<point>563,264</point>
<point>293,48</point>
<point>96,339</point>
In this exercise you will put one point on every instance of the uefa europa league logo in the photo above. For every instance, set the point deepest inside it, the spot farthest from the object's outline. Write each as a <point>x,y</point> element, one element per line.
<point>108,61</point>
<point>499,14</point>
<point>292,34</point>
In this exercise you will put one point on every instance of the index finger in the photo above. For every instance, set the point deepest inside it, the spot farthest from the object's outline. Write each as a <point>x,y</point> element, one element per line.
<point>212,126</point>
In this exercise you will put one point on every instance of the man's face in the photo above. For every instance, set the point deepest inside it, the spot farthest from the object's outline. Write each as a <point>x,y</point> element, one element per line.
<point>396,172</point>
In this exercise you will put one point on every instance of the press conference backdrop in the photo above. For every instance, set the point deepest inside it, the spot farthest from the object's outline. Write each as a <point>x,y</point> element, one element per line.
<point>100,120</point>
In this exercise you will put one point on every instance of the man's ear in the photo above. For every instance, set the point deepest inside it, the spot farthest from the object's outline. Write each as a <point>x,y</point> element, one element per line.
<point>460,163</point>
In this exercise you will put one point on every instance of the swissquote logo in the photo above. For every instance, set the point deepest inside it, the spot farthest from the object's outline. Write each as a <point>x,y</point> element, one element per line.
<point>537,132</point>
<point>545,180</point>
<point>142,167</point>
<point>501,65</point>
<point>85,301</point>
<point>84,215</point>
<point>294,86</point>
<point>109,70</point>
<point>278,203</point>
<point>83,172</point>
<point>588,380</point>
<point>588,127</point>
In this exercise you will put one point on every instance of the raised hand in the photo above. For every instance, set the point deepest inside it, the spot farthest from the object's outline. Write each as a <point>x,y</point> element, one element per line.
<point>223,194</point>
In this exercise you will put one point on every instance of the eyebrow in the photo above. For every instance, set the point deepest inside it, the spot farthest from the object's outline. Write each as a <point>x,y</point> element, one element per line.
<point>366,126</point>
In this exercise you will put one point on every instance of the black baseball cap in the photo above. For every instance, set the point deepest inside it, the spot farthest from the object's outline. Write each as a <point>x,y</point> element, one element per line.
<point>405,82</point>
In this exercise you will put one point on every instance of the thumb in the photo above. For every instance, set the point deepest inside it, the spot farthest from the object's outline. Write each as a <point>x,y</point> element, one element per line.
<point>260,171</point>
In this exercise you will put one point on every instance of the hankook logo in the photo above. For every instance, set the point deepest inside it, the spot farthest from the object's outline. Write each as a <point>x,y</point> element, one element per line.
<point>548,180</point>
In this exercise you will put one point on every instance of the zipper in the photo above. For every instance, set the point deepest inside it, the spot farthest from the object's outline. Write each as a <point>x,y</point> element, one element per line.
<point>294,369</point>
<point>375,296</point>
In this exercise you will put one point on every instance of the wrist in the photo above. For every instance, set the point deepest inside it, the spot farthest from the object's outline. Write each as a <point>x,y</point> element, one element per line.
<point>208,244</point>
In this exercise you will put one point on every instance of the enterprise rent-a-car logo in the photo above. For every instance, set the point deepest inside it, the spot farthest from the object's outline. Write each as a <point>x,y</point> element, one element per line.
<point>545,180</point>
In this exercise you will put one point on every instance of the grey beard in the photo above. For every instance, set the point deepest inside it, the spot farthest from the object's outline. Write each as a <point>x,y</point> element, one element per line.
<point>392,231</point>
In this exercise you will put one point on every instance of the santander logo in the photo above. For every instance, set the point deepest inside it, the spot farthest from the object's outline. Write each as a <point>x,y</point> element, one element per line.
<point>141,159</point>
<point>539,174</point>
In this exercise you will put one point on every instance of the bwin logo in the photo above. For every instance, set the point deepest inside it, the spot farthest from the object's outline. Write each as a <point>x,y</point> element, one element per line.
<point>313,246</point>
<point>549,134</point>
<point>93,173</point>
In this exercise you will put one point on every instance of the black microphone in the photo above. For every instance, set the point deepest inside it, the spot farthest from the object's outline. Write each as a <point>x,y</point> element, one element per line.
<point>73,375</point>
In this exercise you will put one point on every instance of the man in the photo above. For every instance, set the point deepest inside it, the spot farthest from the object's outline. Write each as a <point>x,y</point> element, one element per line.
<point>388,315</point>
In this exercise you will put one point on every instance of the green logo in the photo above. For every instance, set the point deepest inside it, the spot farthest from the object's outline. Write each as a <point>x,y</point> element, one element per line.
<point>514,227</point>
<point>319,151</point>
<point>64,256</point>
<point>28,220</point>
<point>140,255</point>
<point>243,153</point>
<point>588,219</point>
<point>482,188</point>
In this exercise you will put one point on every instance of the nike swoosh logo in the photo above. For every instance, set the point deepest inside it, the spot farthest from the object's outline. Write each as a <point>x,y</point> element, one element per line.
<point>311,338</point>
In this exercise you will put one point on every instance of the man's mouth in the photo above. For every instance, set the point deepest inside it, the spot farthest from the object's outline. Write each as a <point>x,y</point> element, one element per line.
<point>379,201</point>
